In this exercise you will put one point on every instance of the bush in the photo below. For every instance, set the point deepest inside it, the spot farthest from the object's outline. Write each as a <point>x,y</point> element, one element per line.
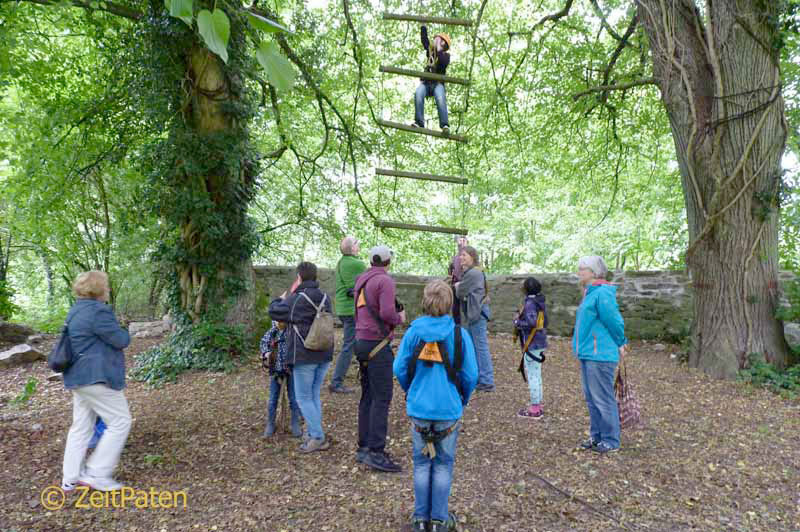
<point>762,374</point>
<point>7,307</point>
<point>204,346</point>
<point>48,320</point>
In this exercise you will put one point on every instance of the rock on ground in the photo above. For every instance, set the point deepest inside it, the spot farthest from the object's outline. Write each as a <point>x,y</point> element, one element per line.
<point>19,354</point>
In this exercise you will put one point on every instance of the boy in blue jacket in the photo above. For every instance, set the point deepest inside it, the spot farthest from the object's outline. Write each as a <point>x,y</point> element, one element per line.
<point>438,376</point>
<point>531,324</point>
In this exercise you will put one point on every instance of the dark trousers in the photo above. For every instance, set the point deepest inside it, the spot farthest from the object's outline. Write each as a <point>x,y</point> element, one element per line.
<point>376,394</point>
<point>456,308</point>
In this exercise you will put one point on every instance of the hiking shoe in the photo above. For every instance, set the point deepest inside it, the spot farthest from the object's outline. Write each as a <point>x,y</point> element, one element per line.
<point>66,487</point>
<point>361,454</point>
<point>381,461</point>
<point>414,124</point>
<point>446,129</point>
<point>99,483</point>
<point>484,388</point>
<point>587,444</point>
<point>532,412</point>
<point>340,389</point>
<point>440,526</point>
<point>604,448</point>
<point>420,525</point>
<point>315,444</point>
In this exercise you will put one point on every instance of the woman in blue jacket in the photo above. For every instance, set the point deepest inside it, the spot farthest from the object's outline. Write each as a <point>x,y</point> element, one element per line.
<point>599,343</point>
<point>436,391</point>
<point>96,379</point>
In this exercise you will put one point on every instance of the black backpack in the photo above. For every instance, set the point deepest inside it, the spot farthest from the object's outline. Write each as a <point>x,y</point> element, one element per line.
<point>436,353</point>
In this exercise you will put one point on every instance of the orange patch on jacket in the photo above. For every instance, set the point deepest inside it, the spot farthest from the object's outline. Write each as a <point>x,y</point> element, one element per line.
<point>431,353</point>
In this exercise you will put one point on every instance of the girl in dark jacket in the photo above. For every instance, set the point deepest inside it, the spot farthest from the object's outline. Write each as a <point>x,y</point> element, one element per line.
<point>532,319</point>
<point>298,310</point>
<point>96,379</point>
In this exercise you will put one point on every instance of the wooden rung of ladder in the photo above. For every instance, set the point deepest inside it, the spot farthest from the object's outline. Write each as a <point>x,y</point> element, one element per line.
<point>427,228</point>
<point>422,130</point>
<point>424,177</point>
<point>431,20</point>
<point>424,75</point>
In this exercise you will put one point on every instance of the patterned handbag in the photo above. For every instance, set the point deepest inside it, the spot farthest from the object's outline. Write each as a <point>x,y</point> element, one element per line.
<point>630,412</point>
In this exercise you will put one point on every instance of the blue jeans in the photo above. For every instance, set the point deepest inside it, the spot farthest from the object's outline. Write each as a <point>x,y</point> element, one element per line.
<point>479,334</point>
<point>533,370</point>
<point>307,384</point>
<point>99,429</point>
<point>275,383</point>
<point>433,478</point>
<point>598,387</point>
<point>346,356</point>
<point>437,91</point>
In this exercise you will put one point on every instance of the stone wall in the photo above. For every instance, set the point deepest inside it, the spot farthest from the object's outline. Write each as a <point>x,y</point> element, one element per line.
<point>655,304</point>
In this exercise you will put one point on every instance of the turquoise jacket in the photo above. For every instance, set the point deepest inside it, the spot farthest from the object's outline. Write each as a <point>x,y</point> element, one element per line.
<point>599,327</point>
<point>431,395</point>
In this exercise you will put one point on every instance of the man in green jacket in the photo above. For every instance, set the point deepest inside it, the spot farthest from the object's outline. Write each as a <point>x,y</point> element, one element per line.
<point>348,268</point>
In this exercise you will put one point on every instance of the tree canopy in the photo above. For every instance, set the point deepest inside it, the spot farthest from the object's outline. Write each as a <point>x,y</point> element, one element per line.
<point>570,150</point>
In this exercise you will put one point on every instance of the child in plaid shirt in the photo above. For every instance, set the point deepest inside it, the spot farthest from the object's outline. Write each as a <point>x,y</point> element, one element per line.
<point>274,358</point>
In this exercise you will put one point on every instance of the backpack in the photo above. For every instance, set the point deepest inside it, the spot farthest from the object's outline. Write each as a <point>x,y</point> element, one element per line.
<point>320,335</point>
<point>436,353</point>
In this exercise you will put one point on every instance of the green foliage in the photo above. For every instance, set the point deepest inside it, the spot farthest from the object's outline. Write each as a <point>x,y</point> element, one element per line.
<point>209,346</point>
<point>181,9</point>
<point>7,306</point>
<point>45,319</point>
<point>215,29</point>
<point>760,373</point>
<point>279,71</point>
<point>792,311</point>
<point>27,392</point>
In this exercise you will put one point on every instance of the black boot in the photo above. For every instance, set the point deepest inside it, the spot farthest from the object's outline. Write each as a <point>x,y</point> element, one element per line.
<point>381,461</point>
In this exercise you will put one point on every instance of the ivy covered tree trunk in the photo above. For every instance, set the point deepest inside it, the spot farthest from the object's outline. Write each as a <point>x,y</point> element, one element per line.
<point>209,184</point>
<point>720,82</point>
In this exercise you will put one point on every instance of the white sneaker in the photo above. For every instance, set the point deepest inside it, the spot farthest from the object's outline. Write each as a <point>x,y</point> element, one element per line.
<point>66,487</point>
<point>99,483</point>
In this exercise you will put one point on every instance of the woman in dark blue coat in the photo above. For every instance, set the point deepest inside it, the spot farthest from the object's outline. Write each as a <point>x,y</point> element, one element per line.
<point>96,379</point>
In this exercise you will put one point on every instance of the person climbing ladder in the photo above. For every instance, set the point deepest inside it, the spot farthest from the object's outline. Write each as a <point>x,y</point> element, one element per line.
<point>437,59</point>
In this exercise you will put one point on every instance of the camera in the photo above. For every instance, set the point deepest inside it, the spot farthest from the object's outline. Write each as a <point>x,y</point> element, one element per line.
<point>351,293</point>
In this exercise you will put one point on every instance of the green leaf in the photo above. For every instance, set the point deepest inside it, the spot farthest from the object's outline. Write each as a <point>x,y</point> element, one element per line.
<point>181,9</point>
<point>215,29</point>
<point>265,24</point>
<point>279,70</point>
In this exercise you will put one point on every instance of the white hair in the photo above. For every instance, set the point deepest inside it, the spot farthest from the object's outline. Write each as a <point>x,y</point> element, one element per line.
<point>347,244</point>
<point>596,264</point>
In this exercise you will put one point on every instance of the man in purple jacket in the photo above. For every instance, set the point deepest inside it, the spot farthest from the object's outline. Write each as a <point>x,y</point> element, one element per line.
<point>376,317</point>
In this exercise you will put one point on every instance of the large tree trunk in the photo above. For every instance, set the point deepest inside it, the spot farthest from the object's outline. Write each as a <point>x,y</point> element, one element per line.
<point>720,84</point>
<point>207,116</point>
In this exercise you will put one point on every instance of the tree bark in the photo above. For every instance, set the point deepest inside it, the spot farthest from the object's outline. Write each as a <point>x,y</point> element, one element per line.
<point>207,116</point>
<point>720,84</point>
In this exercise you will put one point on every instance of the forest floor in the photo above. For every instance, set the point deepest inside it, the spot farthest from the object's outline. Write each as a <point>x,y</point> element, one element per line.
<point>711,456</point>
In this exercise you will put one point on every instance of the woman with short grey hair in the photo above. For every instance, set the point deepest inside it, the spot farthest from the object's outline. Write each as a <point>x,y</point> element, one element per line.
<point>599,343</point>
<point>96,379</point>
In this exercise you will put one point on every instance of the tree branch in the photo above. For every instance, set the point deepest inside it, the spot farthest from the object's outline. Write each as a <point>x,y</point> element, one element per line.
<point>108,7</point>
<point>552,17</point>
<point>614,87</point>
<point>321,96</point>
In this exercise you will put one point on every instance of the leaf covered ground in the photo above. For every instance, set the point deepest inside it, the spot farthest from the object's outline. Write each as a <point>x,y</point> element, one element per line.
<point>712,456</point>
